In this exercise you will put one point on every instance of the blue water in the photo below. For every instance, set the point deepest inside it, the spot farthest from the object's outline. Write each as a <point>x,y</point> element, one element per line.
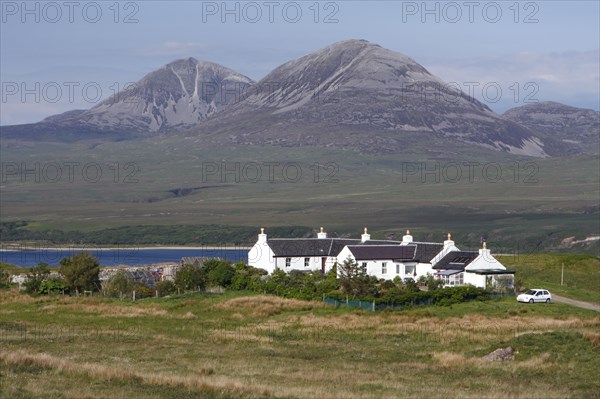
<point>112,257</point>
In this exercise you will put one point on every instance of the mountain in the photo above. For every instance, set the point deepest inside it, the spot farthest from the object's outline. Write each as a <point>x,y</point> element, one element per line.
<point>564,129</point>
<point>352,94</point>
<point>178,95</point>
<point>359,95</point>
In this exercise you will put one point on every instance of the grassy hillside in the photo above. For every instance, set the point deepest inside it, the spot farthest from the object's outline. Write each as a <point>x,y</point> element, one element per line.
<point>535,203</point>
<point>248,346</point>
<point>581,278</point>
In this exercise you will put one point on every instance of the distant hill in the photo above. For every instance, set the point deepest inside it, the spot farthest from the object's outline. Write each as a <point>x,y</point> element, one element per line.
<point>352,95</point>
<point>566,130</point>
<point>355,94</point>
<point>176,96</point>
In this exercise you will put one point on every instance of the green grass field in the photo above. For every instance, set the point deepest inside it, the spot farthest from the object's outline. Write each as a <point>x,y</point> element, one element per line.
<point>581,276</point>
<point>534,205</point>
<point>242,345</point>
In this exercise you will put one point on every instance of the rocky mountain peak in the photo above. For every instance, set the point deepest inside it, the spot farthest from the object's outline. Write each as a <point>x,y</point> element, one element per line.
<point>180,94</point>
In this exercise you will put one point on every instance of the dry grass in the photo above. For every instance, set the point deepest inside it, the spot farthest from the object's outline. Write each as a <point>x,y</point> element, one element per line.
<point>475,328</point>
<point>110,310</point>
<point>188,315</point>
<point>449,360</point>
<point>242,352</point>
<point>593,337</point>
<point>202,380</point>
<point>264,305</point>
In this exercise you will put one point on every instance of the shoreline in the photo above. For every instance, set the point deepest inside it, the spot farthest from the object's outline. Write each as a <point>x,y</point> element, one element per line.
<point>129,248</point>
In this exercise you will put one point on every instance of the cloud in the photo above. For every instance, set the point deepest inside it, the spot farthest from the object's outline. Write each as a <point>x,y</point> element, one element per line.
<point>571,77</point>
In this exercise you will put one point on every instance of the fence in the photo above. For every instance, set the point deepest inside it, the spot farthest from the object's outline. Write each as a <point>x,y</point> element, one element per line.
<point>374,306</point>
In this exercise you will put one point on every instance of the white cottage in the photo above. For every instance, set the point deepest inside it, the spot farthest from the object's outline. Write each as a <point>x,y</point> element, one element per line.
<point>479,268</point>
<point>384,259</point>
<point>305,254</point>
<point>405,259</point>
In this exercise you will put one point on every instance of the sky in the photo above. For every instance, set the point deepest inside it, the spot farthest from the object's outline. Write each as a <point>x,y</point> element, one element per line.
<point>61,55</point>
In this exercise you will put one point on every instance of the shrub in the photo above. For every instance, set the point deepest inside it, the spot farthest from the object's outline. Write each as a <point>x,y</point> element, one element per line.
<point>35,277</point>
<point>142,291</point>
<point>166,287</point>
<point>221,274</point>
<point>190,277</point>
<point>119,285</point>
<point>53,285</point>
<point>4,276</point>
<point>433,284</point>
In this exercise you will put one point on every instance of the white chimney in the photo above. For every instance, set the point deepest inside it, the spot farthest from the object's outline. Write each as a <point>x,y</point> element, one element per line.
<point>365,237</point>
<point>407,238</point>
<point>449,241</point>
<point>322,234</point>
<point>484,251</point>
<point>262,237</point>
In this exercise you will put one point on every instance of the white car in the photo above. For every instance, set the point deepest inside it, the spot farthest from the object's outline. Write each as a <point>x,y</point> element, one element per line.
<point>535,295</point>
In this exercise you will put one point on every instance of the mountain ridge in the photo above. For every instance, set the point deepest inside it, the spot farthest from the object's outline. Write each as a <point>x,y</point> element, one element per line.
<point>350,94</point>
<point>361,86</point>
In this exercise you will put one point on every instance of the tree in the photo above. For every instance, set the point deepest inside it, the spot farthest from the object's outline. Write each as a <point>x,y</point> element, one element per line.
<point>119,284</point>
<point>81,272</point>
<point>353,278</point>
<point>221,274</point>
<point>190,277</point>
<point>35,277</point>
<point>247,277</point>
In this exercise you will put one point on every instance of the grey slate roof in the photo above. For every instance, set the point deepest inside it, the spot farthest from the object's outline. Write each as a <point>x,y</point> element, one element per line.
<point>380,252</point>
<point>297,247</point>
<point>456,260</point>
<point>426,251</point>
<point>315,247</point>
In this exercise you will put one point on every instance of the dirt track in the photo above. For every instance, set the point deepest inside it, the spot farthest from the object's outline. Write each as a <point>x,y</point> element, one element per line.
<point>579,304</point>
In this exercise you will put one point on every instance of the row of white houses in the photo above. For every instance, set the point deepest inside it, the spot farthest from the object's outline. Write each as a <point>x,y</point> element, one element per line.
<point>384,259</point>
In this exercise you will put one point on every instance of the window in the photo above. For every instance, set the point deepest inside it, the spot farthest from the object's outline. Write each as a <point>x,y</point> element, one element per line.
<point>397,268</point>
<point>383,268</point>
<point>288,262</point>
<point>364,264</point>
<point>409,270</point>
<point>306,262</point>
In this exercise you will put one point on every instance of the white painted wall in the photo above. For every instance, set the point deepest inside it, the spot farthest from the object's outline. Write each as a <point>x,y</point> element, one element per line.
<point>297,263</point>
<point>261,256</point>
<point>374,268</point>
<point>478,280</point>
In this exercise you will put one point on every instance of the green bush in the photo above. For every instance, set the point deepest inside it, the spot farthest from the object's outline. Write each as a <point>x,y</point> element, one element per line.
<point>4,276</point>
<point>119,285</point>
<point>190,277</point>
<point>221,274</point>
<point>35,277</point>
<point>165,287</point>
<point>142,291</point>
<point>53,285</point>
